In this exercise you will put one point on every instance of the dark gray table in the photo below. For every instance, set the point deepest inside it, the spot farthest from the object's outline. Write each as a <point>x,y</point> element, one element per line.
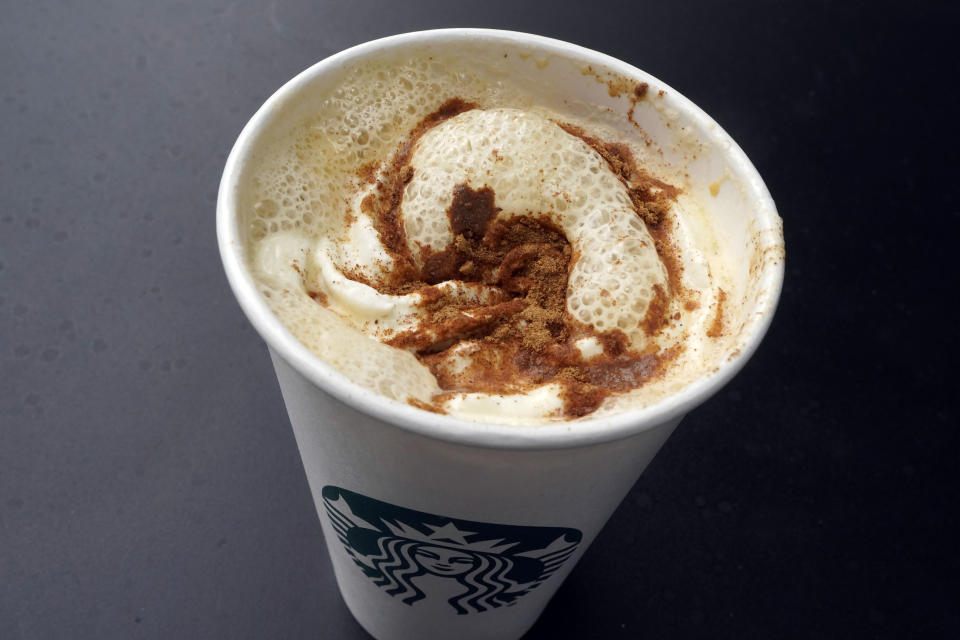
<point>149,481</point>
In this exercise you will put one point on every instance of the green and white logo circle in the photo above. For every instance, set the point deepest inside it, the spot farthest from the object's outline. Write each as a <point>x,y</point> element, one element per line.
<point>476,566</point>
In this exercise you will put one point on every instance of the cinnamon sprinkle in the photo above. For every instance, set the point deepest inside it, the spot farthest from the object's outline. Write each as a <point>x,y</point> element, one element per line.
<point>524,336</point>
<point>384,206</point>
<point>716,328</point>
<point>320,297</point>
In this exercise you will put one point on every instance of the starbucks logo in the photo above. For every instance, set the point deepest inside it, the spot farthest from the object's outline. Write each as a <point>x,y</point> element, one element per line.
<point>413,555</point>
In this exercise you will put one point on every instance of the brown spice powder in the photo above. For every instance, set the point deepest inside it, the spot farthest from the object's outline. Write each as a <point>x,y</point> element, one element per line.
<point>716,328</point>
<point>471,210</point>
<point>526,336</point>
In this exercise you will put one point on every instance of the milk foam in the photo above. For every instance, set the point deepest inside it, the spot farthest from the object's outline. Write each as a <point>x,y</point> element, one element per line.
<point>307,231</point>
<point>534,167</point>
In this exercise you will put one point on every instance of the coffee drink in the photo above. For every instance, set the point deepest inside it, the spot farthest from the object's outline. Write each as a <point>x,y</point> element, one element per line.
<point>443,236</point>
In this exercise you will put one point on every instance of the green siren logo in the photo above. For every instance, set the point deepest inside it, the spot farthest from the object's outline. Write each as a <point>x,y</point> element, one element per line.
<point>413,555</point>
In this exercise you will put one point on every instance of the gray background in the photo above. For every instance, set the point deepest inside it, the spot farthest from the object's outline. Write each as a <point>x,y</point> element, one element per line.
<point>150,486</point>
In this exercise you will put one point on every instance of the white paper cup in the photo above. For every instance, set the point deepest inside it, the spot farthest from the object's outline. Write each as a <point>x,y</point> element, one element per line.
<point>444,528</point>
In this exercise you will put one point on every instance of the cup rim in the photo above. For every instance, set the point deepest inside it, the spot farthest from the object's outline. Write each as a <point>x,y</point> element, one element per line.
<point>554,435</point>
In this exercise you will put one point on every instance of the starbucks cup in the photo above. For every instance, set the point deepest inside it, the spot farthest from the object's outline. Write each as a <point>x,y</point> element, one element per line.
<point>445,528</point>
